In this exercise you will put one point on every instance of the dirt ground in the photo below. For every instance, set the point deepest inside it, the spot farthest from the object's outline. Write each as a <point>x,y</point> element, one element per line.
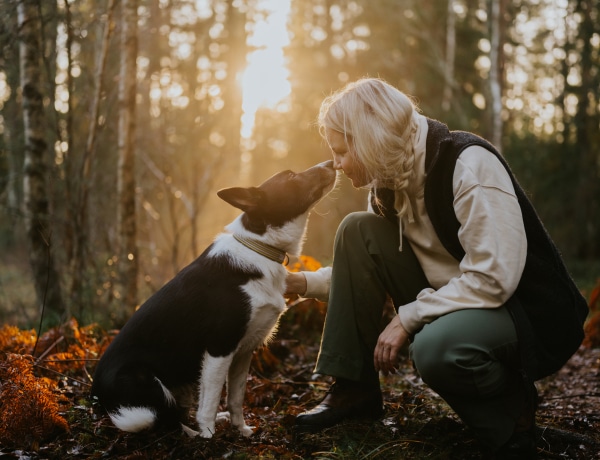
<point>46,411</point>
<point>417,424</point>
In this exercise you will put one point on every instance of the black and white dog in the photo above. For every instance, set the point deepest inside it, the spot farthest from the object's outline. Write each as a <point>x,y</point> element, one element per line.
<point>200,329</point>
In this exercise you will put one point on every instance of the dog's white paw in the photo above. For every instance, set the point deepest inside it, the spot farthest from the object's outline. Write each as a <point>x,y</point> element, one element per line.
<point>246,430</point>
<point>207,432</point>
<point>223,417</point>
<point>206,427</point>
<point>237,420</point>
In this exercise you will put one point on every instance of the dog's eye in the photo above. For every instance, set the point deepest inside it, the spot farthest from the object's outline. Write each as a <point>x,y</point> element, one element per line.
<point>291,175</point>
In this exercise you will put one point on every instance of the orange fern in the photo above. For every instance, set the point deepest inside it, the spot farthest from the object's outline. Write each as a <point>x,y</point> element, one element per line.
<point>29,408</point>
<point>14,340</point>
<point>592,326</point>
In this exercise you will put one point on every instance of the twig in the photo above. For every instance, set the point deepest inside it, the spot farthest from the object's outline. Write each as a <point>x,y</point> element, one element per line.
<point>568,436</point>
<point>43,355</point>
<point>577,395</point>
<point>567,417</point>
<point>87,374</point>
<point>64,375</point>
<point>71,360</point>
<point>45,295</point>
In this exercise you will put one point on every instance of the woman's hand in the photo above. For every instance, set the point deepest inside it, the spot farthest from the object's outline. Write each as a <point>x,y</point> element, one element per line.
<point>390,341</point>
<point>295,284</point>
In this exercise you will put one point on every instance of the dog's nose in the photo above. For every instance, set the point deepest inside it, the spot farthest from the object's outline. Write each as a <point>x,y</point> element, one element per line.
<point>327,164</point>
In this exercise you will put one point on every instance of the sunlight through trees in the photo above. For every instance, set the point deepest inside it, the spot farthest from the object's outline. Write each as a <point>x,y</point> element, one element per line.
<point>226,92</point>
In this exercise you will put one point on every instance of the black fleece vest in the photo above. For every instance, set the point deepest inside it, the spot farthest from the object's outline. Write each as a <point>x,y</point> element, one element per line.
<point>547,308</point>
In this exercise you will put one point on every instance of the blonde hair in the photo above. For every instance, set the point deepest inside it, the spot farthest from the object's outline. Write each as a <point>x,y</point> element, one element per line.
<point>378,121</point>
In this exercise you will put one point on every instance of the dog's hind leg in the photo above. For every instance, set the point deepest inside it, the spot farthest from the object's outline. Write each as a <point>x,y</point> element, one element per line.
<point>212,379</point>
<point>236,391</point>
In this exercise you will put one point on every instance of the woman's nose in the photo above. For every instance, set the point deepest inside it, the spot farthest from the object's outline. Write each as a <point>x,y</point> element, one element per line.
<point>337,164</point>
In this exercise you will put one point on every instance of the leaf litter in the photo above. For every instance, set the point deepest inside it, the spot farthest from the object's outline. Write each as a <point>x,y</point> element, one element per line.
<point>46,411</point>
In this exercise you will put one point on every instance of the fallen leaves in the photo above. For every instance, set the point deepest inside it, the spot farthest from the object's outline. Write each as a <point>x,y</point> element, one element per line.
<point>45,407</point>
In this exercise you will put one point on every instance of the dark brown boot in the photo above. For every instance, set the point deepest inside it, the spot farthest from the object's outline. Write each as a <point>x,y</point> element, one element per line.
<point>345,399</point>
<point>522,444</point>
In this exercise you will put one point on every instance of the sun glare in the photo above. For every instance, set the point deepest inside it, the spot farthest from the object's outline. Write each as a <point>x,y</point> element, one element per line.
<point>265,81</point>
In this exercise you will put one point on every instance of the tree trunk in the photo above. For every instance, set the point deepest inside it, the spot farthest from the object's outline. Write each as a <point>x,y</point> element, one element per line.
<point>12,127</point>
<point>128,263</point>
<point>80,255</point>
<point>70,226</point>
<point>235,59</point>
<point>450,53</point>
<point>496,73</point>
<point>35,190</point>
<point>587,120</point>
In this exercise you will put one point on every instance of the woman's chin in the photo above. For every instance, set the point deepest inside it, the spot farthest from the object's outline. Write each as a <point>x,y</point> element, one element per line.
<point>358,182</point>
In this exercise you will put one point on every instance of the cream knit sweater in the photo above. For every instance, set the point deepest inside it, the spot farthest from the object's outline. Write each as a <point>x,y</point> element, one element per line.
<point>491,232</point>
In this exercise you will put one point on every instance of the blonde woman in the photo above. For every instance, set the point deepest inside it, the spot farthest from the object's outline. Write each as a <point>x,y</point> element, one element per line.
<point>481,292</point>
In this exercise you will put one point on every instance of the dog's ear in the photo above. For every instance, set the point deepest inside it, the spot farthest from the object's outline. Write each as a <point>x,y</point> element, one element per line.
<point>242,198</point>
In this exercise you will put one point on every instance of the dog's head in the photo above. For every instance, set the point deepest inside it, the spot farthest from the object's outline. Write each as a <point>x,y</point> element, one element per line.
<point>282,198</point>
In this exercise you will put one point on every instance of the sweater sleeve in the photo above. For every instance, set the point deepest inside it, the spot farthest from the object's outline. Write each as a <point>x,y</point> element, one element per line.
<point>317,283</point>
<point>493,236</point>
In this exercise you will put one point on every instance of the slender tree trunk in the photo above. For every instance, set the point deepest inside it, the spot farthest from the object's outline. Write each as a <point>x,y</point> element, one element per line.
<point>128,263</point>
<point>236,61</point>
<point>81,210</point>
<point>450,53</point>
<point>13,116</point>
<point>70,225</point>
<point>35,190</point>
<point>496,73</point>
<point>587,119</point>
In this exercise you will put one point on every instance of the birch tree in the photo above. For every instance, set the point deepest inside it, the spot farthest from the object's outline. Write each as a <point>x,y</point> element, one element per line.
<point>35,189</point>
<point>127,229</point>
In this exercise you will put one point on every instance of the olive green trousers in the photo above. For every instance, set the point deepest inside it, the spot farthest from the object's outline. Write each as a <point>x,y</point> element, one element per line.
<point>469,357</point>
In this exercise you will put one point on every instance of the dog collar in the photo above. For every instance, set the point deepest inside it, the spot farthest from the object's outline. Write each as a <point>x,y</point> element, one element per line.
<point>264,249</point>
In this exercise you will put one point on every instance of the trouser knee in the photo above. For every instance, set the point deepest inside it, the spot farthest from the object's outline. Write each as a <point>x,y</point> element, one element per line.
<point>368,230</point>
<point>359,224</point>
<point>468,351</point>
<point>434,362</point>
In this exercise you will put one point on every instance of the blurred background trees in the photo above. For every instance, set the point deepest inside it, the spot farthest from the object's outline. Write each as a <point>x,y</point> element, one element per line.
<point>225,92</point>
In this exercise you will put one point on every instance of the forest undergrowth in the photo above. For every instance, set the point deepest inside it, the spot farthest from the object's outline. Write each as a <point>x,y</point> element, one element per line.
<point>46,411</point>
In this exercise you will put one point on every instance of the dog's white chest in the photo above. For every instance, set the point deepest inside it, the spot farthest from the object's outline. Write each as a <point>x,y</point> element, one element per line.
<point>267,304</point>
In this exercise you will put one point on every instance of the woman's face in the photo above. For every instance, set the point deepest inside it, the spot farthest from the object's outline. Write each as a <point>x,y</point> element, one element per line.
<point>345,159</point>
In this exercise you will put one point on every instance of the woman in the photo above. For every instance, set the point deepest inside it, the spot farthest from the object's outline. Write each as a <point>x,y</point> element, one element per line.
<point>481,292</point>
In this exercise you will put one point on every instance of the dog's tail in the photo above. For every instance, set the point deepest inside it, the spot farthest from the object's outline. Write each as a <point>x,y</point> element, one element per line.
<point>161,408</point>
<point>133,419</point>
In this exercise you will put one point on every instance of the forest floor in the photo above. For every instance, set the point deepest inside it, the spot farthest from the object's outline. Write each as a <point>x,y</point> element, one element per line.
<point>417,423</point>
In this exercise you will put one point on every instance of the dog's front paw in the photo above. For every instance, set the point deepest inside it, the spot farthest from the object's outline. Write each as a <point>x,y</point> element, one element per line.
<point>206,428</point>
<point>207,432</point>
<point>237,420</point>
<point>223,417</point>
<point>246,430</point>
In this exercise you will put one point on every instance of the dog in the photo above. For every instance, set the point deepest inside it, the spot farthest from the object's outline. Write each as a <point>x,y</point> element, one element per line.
<point>198,332</point>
